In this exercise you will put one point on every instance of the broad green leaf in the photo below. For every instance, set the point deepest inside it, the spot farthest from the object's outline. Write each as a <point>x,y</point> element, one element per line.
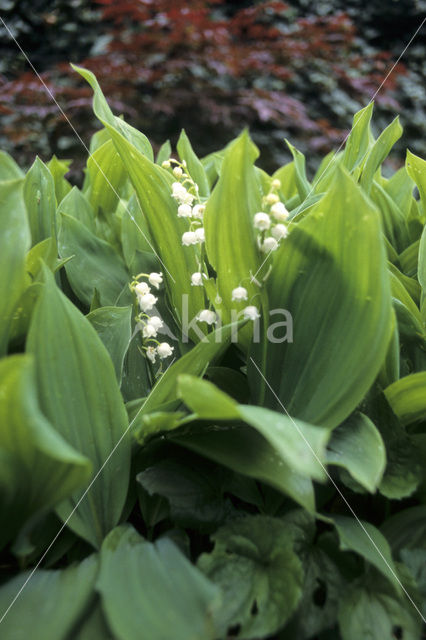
<point>372,611</point>
<point>245,451</point>
<point>153,186</point>
<point>379,151</point>
<point>94,264</point>
<point>407,528</point>
<point>40,201</point>
<point>164,152</point>
<point>76,205</point>
<point>416,169</point>
<point>422,262</point>
<point>194,362</point>
<point>195,168</point>
<point>58,169</point>
<point>330,274</point>
<point>368,542</point>
<point>94,626</point>
<point>360,139</point>
<point>407,397</point>
<point>114,327</point>
<point>168,595</point>
<point>302,183</point>
<point>409,258</point>
<point>300,445</point>
<point>357,446</point>
<point>50,604</point>
<point>260,575</point>
<point>228,220</point>
<point>14,243</point>
<point>393,221</point>
<point>44,468</point>
<point>79,394</point>
<point>106,177</point>
<point>415,560</point>
<point>9,170</point>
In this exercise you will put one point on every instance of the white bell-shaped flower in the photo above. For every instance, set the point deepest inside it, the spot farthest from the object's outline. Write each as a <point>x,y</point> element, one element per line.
<point>239,293</point>
<point>164,350</point>
<point>207,316</point>
<point>262,221</point>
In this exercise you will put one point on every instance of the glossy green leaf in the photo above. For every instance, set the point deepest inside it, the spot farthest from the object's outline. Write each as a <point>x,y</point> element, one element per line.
<point>94,264</point>
<point>368,542</point>
<point>114,327</point>
<point>106,177</point>
<point>422,262</point>
<point>50,603</point>
<point>357,446</point>
<point>330,274</point>
<point>416,169</point>
<point>40,201</point>
<point>194,362</point>
<point>254,564</point>
<point>407,528</point>
<point>407,397</point>
<point>379,151</point>
<point>302,183</point>
<point>9,170</point>
<point>14,243</point>
<point>245,451</point>
<point>153,187</point>
<point>301,446</point>
<point>44,468</point>
<point>79,394</point>
<point>230,236</point>
<point>76,205</point>
<point>164,152</point>
<point>168,594</point>
<point>195,168</point>
<point>360,139</point>
<point>58,169</point>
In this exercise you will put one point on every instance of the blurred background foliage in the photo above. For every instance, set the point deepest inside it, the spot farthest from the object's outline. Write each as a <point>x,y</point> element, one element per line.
<point>295,69</point>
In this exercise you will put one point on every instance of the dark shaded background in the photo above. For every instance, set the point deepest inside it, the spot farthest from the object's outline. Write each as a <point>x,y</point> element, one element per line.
<point>296,70</point>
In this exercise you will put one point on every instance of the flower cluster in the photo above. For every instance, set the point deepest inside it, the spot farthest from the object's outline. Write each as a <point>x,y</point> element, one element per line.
<point>150,324</point>
<point>271,225</point>
<point>185,192</point>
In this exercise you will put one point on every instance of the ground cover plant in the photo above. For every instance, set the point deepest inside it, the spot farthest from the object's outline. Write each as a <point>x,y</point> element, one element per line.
<point>213,393</point>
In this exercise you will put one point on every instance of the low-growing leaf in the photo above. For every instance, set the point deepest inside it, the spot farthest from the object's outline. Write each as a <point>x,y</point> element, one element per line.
<point>50,603</point>
<point>114,327</point>
<point>168,594</point>
<point>40,201</point>
<point>357,446</point>
<point>407,397</point>
<point>261,577</point>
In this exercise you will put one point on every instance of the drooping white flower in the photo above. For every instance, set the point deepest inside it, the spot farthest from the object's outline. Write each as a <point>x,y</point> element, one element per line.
<point>251,312</point>
<point>186,198</point>
<point>239,293</point>
<point>262,221</point>
<point>271,198</point>
<point>177,172</point>
<point>276,184</point>
<point>151,353</point>
<point>269,244</point>
<point>164,350</point>
<point>156,322</point>
<point>149,331</point>
<point>155,279</point>
<point>198,211</point>
<point>279,231</point>
<point>166,164</point>
<point>188,238</point>
<point>207,316</point>
<point>178,190</point>
<point>197,279</point>
<point>184,211</point>
<point>147,301</point>
<point>142,288</point>
<point>200,234</point>
<point>279,211</point>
